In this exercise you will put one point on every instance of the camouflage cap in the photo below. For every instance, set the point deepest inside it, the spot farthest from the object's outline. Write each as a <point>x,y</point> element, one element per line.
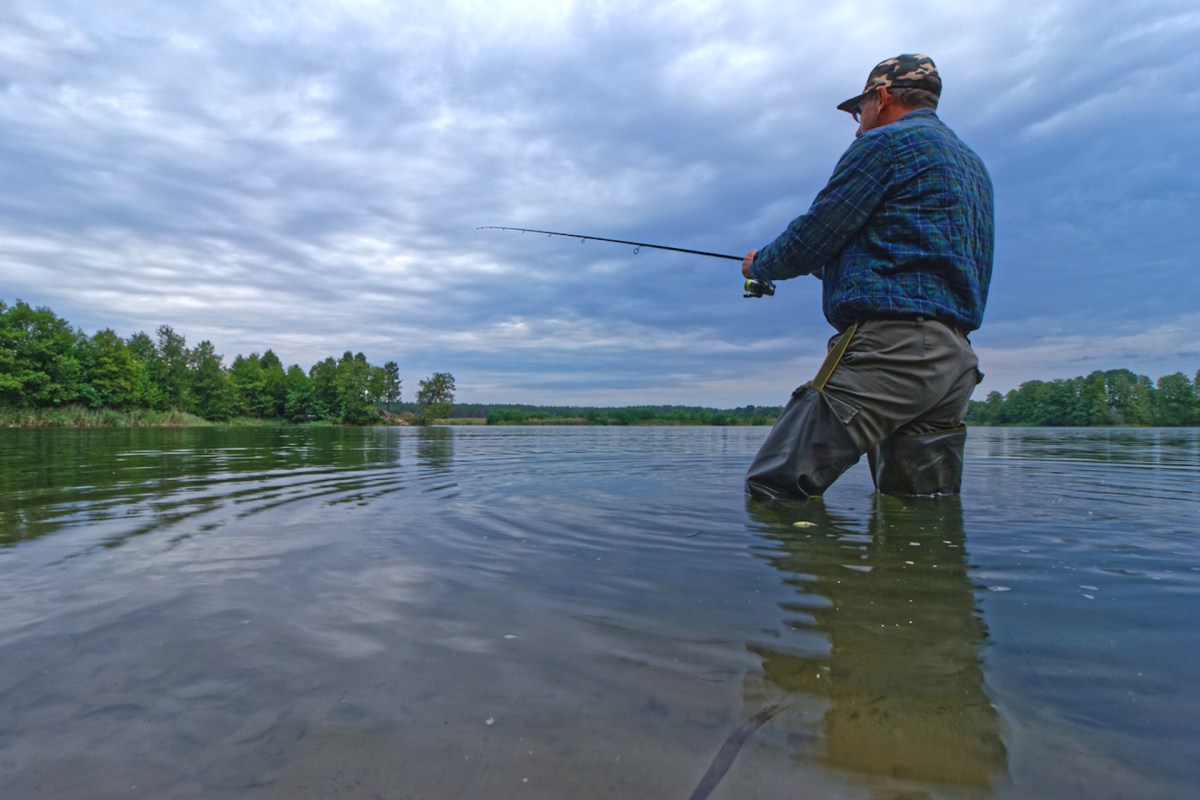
<point>908,71</point>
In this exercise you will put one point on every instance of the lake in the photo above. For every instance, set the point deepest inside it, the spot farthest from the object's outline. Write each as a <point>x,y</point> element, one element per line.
<point>503,612</point>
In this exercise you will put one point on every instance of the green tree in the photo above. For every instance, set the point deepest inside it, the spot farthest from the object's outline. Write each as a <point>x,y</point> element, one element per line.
<point>391,384</point>
<point>10,383</point>
<point>173,368</point>
<point>376,384</point>
<point>992,407</point>
<point>300,402</point>
<point>507,416</point>
<point>39,357</point>
<point>353,390</point>
<point>1053,403</point>
<point>150,392</point>
<point>1129,398</point>
<point>111,374</point>
<point>246,385</point>
<point>1093,400</point>
<point>1021,404</point>
<point>1174,400</point>
<point>435,397</point>
<point>275,385</point>
<point>209,394</point>
<point>1195,420</point>
<point>323,378</point>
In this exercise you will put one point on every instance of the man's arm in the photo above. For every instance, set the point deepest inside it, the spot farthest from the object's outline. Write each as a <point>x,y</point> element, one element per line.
<point>837,214</point>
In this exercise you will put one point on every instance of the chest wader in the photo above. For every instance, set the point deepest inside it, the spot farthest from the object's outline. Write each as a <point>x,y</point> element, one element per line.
<point>809,446</point>
<point>919,463</point>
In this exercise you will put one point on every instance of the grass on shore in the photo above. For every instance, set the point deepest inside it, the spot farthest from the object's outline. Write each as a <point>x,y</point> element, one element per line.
<point>76,416</point>
<point>82,417</point>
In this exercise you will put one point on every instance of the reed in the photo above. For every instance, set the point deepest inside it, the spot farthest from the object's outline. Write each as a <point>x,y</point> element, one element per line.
<point>75,416</point>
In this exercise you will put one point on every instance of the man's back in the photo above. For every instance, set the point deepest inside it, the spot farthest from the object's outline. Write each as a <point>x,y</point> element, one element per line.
<point>926,245</point>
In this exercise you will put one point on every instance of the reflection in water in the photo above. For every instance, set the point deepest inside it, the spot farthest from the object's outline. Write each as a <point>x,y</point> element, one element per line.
<point>258,614</point>
<point>899,662</point>
<point>435,447</point>
<point>136,481</point>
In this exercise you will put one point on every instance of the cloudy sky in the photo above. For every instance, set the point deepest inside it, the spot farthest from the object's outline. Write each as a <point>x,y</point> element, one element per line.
<point>310,176</point>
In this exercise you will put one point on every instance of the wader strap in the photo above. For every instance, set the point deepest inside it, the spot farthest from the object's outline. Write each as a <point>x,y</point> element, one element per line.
<point>833,358</point>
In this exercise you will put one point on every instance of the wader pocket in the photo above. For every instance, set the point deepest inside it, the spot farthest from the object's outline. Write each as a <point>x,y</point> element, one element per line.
<point>844,410</point>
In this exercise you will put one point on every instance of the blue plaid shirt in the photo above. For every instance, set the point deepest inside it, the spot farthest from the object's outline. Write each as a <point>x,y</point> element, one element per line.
<point>903,228</point>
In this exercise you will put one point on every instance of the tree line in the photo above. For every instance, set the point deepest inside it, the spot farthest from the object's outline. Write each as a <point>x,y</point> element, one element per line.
<point>627,415</point>
<point>1112,397</point>
<point>46,363</point>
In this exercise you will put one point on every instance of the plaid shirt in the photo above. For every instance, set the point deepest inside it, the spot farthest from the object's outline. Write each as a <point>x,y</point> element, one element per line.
<point>903,228</point>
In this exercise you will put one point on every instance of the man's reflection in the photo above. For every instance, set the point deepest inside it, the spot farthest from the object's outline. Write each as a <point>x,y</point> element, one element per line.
<point>903,675</point>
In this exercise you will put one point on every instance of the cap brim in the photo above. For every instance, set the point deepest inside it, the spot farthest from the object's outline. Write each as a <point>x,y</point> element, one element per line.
<point>848,106</point>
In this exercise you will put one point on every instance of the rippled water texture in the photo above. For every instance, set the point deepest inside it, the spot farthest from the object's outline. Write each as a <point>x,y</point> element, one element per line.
<point>590,613</point>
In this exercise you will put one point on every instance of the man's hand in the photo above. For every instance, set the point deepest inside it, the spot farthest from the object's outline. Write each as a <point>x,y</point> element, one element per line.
<point>747,261</point>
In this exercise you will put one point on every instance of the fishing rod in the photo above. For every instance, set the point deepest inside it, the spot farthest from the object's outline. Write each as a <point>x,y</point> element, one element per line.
<point>754,287</point>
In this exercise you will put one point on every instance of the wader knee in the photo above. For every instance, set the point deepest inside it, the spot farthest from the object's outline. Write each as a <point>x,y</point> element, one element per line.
<point>919,463</point>
<point>805,452</point>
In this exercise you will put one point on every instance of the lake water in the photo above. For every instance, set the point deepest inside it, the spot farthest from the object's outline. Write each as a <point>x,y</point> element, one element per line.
<point>590,613</point>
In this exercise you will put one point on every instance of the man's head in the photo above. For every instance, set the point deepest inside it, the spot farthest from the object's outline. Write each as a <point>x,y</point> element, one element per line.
<point>895,87</point>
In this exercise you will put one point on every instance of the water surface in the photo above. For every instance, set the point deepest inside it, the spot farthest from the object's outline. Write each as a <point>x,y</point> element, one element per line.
<point>589,613</point>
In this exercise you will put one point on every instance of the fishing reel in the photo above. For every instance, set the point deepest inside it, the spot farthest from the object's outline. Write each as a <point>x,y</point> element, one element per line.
<point>759,287</point>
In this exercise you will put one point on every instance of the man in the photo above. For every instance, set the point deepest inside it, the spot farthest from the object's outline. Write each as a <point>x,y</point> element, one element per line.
<point>901,238</point>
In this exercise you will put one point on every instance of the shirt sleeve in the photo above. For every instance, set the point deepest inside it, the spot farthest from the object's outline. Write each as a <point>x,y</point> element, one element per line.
<point>839,211</point>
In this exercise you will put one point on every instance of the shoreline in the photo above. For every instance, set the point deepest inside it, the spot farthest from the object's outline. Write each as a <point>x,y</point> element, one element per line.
<point>78,417</point>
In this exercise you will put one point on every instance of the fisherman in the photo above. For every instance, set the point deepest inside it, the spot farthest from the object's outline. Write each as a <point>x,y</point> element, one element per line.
<point>901,238</point>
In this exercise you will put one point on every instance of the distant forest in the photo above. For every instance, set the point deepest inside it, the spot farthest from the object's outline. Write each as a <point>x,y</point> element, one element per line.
<point>624,415</point>
<point>1113,397</point>
<point>45,363</point>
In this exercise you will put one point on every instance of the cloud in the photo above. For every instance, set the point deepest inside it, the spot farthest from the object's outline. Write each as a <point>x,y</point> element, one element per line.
<point>1161,348</point>
<point>309,176</point>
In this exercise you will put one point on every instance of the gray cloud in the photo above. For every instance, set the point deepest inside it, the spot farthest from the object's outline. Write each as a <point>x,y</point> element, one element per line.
<point>309,177</point>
